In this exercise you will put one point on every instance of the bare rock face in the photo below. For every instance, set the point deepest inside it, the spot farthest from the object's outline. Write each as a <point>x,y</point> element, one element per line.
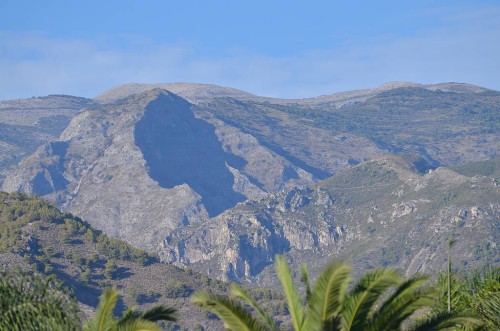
<point>353,215</point>
<point>25,124</point>
<point>145,165</point>
<point>241,242</point>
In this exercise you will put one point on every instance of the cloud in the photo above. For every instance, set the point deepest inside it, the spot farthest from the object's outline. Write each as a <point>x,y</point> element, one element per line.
<point>465,50</point>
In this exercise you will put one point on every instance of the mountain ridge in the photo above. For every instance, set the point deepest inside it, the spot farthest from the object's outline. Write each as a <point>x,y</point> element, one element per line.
<point>152,168</point>
<point>86,175</point>
<point>196,92</point>
<point>369,213</point>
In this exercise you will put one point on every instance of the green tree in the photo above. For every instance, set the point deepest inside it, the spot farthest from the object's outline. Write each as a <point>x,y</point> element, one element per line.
<point>379,300</point>
<point>110,269</point>
<point>131,320</point>
<point>85,274</point>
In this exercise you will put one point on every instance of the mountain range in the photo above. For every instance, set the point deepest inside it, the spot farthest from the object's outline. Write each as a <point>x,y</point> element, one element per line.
<point>221,180</point>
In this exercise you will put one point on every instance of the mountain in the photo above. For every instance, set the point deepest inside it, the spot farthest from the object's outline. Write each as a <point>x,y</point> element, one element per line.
<point>388,212</point>
<point>35,236</point>
<point>148,164</point>
<point>25,124</point>
<point>154,166</point>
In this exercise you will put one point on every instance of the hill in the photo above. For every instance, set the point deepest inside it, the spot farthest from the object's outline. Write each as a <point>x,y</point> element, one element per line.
<point>148,164</point>
<point>387,212</point>
<point>25,124</point>
<point>36,236</point>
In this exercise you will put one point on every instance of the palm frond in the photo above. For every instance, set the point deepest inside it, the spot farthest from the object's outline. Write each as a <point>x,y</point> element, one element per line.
<point>234,316</point>
<point>304,277</point>
<point>159,313</point>
<point>328,296</point>
<point>139,325</point>
<point>407,298</point>
<point>128,315</point>
<point>103,318</point>
<point>239,292</point>
<point>367,291</point>
<point>445,321</point>
<point>293,300</point>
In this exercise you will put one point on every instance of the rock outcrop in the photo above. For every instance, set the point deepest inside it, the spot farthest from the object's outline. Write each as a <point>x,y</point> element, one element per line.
<point>353,215</point>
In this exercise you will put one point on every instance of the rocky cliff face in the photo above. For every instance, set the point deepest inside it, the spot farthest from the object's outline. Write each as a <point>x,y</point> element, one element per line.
<point>25,124</point>
<point>147,164</point>
<point>379,213</point>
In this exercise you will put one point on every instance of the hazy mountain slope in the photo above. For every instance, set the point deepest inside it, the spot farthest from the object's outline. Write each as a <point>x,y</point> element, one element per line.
<point>446,128</point>
<point>349,97</point>
<point>319,151</point>
<point>34,235</point>
<point>25,124</point>
<point>382,212</point>
<point>145,165</point>
<point>139,166</point>
<point>490,168</point>
<point>199,93</point>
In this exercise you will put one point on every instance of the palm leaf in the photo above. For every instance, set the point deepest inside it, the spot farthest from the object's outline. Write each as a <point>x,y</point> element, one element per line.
<point>103,318</point>
<point>304,277</point>
<point>293,300</point>
<point>139,325</point>
<point>239,292</point>
<point>445,321</point>
<point>327,297</point>
<point>367,291</point>
<point>234,316</point>
<point>159,313</point>
<point>407,298</point>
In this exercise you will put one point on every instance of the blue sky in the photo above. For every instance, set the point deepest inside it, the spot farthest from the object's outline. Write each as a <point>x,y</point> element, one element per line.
<point>273,48</point>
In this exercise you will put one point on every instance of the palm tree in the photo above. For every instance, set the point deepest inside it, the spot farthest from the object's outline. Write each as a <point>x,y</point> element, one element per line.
<point>131,320</point>
<point>380,300</point>
<point>476,293</point>
<point>481,292</point>
<point>36,302</point>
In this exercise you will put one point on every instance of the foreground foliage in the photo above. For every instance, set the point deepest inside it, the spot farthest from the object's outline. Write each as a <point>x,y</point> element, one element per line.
<point>35,302</point>
<point>379,300</point>
<point>477,294</point>
<point>131,320</point>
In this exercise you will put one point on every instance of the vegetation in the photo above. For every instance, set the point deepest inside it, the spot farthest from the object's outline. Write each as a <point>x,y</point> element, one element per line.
<point>379,300</point>
<point>36,302</point>
<point>64,246</point>
<point>476,293</point>
<point>38,237</point>
<point>490,168</point>
<point>131,320</point>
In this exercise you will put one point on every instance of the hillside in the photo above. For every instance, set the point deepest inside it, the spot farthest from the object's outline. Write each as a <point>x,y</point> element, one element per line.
<point>148,164</point>
<point>34,235</point>
<point>25,124</point>
<point>387,212</point>
<point>151,167</point>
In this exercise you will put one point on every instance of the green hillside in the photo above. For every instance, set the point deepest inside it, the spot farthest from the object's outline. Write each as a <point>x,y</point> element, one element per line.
<point>489,168</point>
<point>36,236</point>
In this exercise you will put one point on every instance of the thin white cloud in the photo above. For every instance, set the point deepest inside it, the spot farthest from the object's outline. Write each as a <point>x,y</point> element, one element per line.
<point>466,51</point>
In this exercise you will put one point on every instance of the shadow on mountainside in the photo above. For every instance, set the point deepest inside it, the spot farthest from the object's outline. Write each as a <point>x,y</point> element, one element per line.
<point>181,149</point>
